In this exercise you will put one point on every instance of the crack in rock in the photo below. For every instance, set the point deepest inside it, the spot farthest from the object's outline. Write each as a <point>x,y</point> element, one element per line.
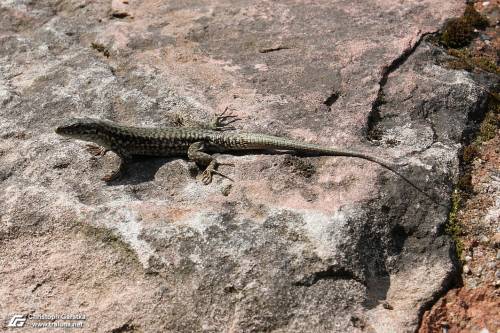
<point>334,96</point>
<point>273,49</point>
<point>374,116</point>
<point>330,273</point>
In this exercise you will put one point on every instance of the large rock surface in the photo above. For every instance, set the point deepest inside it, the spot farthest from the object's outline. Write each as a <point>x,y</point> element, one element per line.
<point>293,244</point>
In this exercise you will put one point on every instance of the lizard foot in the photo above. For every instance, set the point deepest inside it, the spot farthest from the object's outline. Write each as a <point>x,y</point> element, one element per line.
<point>178,120</point>
<point>112,176</point>
<point>206,176</point>
<point>124,160</point>
<point>96,150</point>
<point>223,120</point>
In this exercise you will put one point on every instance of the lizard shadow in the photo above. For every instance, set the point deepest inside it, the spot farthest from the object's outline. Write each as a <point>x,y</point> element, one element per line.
<point>143,169</point>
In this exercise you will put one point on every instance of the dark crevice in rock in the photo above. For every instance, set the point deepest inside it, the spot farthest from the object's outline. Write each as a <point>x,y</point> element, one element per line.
<point>476,117</point>
<point>399,237</point>
<point>273,49</point>
<point>331,273</point>
<point>38,285</point>
<point>452,280</point>
<point>332,99</point>
<point>372,132</point>
<point>376,291</point>
<point>434,134</point>
<point>127,327</point>
<point>120,15</point>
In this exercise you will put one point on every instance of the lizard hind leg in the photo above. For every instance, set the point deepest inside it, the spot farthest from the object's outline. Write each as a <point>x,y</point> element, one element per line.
<point>206,176</point>
<point>196,154</point>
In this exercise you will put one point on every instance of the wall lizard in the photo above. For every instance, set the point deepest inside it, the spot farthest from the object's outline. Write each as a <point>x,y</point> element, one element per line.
<point>197,143</point>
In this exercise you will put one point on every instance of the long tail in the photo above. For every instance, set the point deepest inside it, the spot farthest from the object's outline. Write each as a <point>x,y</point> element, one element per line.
<point>260,141</point>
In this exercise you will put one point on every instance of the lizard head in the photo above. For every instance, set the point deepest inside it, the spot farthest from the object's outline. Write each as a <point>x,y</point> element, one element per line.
<point>80,128</point>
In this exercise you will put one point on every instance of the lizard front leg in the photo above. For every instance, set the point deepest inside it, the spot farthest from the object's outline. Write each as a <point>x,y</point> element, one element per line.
<point>196,154</point>
<point>125,159</point>
<point>96,150</point>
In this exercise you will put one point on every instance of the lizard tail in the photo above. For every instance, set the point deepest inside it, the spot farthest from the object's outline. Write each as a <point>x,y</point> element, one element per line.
<point>277,143</point>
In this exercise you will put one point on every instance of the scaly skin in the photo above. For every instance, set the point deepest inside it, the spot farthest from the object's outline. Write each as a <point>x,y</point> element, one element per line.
<point>195,143</point>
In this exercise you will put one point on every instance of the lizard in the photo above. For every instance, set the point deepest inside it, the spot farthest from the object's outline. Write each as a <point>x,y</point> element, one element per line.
<point>197,144</point>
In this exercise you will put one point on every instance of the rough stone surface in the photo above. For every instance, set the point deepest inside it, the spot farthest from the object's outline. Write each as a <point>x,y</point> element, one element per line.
<point>474,306</point>
<point>311,244</point>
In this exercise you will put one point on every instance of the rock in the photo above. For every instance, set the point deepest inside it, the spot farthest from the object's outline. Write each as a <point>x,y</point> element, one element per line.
<point>280,249</point>
<point>496,240</point>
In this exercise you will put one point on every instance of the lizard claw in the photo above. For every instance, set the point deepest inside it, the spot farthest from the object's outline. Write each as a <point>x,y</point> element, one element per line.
<point>207,175</point>
<point>178,120</point>
<point>96,150</point>
<point>112,176</point>
<point>223,120</point>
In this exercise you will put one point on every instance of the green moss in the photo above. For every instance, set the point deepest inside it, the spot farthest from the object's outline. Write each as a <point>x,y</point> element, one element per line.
<point>470,153</point>
<point>459,32</point>
<point>106,236</point>
<point>464,188</point>
<point>486,64</point>
<point>489,127</point>
<point>491,122</point>
<point>468,61</point>
<point>459,64</point>
<point>453,226</point>
<point>465,184</point>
